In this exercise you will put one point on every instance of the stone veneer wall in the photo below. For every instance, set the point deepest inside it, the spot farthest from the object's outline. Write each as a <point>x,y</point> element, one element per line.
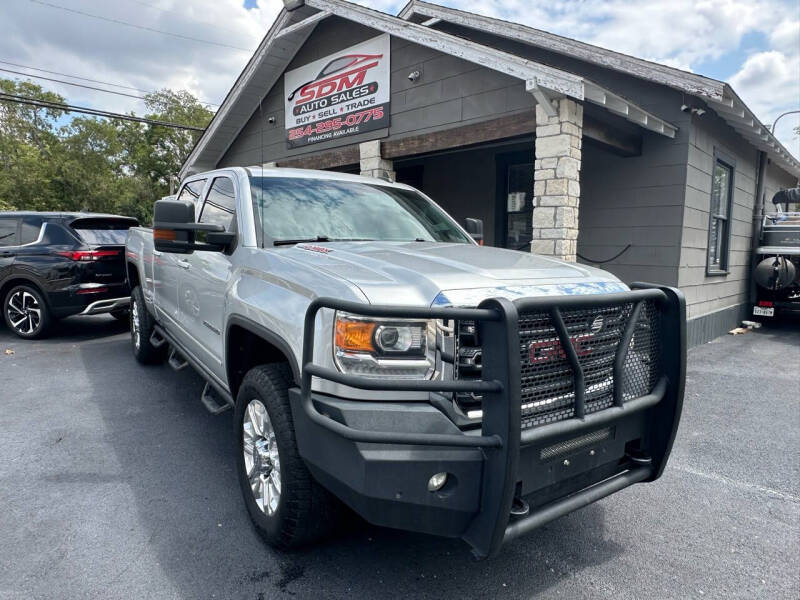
<point>557,187</point>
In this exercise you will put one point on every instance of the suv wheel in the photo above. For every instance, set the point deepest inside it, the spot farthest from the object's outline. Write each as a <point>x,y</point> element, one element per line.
<point>286,505</point>
<point>26,313</point>
<point>142,327</point>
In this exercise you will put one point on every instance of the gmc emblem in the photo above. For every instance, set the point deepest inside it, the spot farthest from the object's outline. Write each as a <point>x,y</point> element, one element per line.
<point>551,350</point>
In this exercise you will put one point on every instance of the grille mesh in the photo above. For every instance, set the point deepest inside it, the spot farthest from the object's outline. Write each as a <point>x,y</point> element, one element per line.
<point>547,381</point>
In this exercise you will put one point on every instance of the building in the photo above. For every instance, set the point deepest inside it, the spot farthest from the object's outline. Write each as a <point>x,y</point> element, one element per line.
<point>568,149</point>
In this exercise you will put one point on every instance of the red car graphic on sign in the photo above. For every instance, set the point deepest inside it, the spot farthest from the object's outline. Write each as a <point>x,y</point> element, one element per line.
<point>342,73</point>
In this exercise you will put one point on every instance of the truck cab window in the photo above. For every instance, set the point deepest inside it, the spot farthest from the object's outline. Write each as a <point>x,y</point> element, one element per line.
<point>220,204</point>
<point>192,190</point>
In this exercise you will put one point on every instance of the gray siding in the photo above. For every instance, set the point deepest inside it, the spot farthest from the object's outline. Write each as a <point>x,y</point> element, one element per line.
<point>450,92</point>
<point>637,201</point>
<point>706,294</point>
<point>660,100</point>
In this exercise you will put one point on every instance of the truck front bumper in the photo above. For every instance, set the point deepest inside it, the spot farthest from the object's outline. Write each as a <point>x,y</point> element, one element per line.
<point>378,457</point>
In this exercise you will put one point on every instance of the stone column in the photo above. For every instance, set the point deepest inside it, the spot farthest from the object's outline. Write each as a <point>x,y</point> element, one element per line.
<point>556,187</point>
<point>372,164</point>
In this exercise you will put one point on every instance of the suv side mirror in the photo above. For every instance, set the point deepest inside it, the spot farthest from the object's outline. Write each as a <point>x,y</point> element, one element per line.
<point>174,229</point>
<point>474,227</point>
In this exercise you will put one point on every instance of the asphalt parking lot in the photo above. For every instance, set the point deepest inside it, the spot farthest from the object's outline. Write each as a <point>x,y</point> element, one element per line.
<point>116,483</point>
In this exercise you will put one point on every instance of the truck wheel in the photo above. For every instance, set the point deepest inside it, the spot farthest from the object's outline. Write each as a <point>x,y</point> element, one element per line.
<point>287,506</point>
<point>142,325</point>
<point>26,312</point>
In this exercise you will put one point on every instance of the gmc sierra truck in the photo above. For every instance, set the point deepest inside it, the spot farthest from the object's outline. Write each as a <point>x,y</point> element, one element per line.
<point>376,356</point>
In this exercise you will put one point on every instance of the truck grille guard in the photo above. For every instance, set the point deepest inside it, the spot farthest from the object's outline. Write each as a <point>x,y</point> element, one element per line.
<point>502,432</point>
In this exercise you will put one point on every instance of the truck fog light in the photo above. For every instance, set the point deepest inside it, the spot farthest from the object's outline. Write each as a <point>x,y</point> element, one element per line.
<point>436,482</point>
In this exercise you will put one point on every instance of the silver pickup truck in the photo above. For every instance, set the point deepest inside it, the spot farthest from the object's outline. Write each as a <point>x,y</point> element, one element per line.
<point>377,357</point>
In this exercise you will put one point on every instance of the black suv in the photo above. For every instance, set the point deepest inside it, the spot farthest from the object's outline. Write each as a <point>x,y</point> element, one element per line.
<point>53,265</point>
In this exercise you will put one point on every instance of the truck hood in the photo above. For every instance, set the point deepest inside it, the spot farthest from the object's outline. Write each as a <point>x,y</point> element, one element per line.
<point>415,273</point>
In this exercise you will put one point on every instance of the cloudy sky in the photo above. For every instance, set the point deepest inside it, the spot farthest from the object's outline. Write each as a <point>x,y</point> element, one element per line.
<point>752,44</point>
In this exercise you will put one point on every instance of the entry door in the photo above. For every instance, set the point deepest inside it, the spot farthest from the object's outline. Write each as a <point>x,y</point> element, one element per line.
<point>515,200</point>
<point>204,282</point>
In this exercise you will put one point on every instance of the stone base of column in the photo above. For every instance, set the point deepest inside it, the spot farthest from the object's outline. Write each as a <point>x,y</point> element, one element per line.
<point>372,164</point>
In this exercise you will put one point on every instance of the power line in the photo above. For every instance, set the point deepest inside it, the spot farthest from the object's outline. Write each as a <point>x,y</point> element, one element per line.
<point>91,111</point>
<point>126,87</point>
<point>80,85</point>
<point>84,79</point>
<point>142,27</point>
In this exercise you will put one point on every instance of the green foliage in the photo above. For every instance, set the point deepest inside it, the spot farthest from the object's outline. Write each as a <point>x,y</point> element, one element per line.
<point>92,164</point>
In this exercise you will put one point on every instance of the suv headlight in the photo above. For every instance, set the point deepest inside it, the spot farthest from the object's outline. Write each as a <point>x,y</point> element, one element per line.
<point>372,347</point>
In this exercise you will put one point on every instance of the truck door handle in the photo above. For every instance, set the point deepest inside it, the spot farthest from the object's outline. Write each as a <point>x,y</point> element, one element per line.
<point>184,264</point>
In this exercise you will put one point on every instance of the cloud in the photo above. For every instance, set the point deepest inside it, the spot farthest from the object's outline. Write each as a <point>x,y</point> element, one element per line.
<point>769,82</point>
<point>42,36</point>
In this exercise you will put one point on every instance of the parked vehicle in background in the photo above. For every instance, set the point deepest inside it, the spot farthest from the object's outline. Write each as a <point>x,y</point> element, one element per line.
<point>54,265</point>
<point>777,271</point>
<point>376,355</point>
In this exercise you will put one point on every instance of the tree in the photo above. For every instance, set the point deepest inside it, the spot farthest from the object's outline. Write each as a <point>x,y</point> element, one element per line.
<point>162,150</point>
<point>28,141</point>
<point>92,164</point>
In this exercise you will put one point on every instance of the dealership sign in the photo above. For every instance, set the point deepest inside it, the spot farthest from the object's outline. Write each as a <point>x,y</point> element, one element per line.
<point>343,94</point>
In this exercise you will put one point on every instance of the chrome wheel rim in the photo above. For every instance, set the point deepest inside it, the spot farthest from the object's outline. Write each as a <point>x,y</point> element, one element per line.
<point>262,462</point>
<point>135,333</point>
<point>24,312</point>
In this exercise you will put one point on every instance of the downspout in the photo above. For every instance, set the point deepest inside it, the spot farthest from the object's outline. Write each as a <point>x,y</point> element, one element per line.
<point>758,219</point>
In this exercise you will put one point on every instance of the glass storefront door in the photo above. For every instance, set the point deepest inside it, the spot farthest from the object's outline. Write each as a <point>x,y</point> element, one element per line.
<point>515,201</point>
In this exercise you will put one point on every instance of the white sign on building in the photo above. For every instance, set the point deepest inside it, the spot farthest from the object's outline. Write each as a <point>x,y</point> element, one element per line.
<point>343,94</point>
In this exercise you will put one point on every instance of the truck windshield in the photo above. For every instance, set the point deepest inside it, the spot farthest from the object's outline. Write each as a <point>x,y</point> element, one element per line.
<point>297,209</point>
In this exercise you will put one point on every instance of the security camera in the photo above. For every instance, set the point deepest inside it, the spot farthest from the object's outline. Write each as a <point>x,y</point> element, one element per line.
<point>271,119</point>
<point>413,76</point>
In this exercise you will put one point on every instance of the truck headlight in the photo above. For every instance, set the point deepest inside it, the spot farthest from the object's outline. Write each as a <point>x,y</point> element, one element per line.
<point>372,347</point>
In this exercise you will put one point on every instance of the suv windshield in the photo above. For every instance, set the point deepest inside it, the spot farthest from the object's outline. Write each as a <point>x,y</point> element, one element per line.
<point>298,209</point>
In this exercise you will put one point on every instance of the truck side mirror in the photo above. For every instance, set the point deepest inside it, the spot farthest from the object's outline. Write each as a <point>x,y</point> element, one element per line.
<point>474,227</point>
<point>174,229</point>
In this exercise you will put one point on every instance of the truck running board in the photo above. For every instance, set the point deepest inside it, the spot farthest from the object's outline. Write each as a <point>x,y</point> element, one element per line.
<point>157,340</point>
<point>210,400</point>
<point>176,361</point>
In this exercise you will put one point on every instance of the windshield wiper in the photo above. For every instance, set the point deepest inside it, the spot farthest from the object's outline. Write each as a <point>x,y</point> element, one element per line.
<point>319,238</point>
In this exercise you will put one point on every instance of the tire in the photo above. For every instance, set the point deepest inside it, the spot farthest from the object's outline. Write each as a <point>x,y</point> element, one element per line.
<point>304,511</point>
<point>26,312</point>
<point>142,327</point>
<point>121,315</point>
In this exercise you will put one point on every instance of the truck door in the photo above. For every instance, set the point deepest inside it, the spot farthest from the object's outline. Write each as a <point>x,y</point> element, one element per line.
<point>204,282</point>
<point>168,267</point>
